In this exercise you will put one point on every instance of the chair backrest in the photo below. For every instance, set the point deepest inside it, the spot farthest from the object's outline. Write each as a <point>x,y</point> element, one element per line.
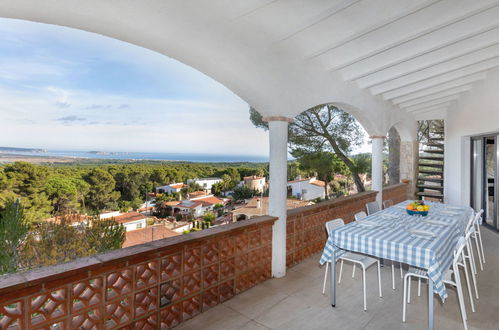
<point>372,207</point>
<point>387,203</point>
<point>478,218</point>
<point>458,250</point>
<point>474,218</point>
<point>360,215</point>
<point>333,224</point>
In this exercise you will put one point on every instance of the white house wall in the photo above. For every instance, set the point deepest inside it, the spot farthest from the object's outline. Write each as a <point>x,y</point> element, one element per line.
<point>476,113</point>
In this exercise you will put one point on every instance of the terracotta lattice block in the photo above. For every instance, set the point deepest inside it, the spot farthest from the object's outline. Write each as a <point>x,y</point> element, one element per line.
<point>47,306</point>
<point>192,258</point>
<point>11,315</point>
<point>210,298</point>
<point>170,292</point>
<point>171,266</point>
<point>241,263</point>
<point>147,323</point>
<point>254,258</point>
<point>171,316</point>
<point>86,293</point>
<point>146,301</point>
<point>227,269</point>
<point>146,274</point>
<point>119,283</point>
<point>54,325</point>
<point>267,235</point>
<point>255,238</point>
<point>242,242</point>
<point>226,247</point>
<point>192,283</point>
<point>91,319</point>
<point>118,312</point>
<point>226,290</point>
<point>191,307</point>
<point>210,252</point>
<point>211,275</point>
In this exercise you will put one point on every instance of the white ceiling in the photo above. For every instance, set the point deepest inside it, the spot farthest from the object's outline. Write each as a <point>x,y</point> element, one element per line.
<point>384,60</point>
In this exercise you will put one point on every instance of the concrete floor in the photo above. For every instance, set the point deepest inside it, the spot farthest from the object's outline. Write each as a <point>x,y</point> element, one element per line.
<point>296,302</point>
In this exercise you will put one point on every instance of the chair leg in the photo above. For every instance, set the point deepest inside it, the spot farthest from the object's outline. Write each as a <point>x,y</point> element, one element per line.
<point>460,295</point>
<point>353,271</point>
<point>401,270</point>
<point>325,279</point>
<point>472,255</point>
<point>364,287</point>
<point>341,271</point>
<point>409,291</point>
<point>404,302</point>
<point>419,287</point>
<point>379,280</point>
<point>467,275</point>
<point>478,251</point>
<point>393,276</point>
<point>473,277</point>
<point>481,243</point>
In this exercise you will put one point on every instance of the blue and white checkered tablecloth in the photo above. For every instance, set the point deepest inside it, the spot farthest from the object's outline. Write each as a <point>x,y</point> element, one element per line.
<point>391,240</point>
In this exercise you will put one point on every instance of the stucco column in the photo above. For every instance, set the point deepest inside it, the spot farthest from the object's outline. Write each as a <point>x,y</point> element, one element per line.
<point>377,167</point>
<point>278,139</point>
<point>409,154</point>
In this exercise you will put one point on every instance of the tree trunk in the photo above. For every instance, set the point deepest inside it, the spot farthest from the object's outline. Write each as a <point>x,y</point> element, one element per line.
<point>393,156</point>
<point>355,175</point>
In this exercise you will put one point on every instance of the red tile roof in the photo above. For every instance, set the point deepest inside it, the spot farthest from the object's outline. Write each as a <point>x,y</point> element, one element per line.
<point>129,217</point>
<point>318,183</point>
<point>210,200</point>
<point>178,186</point>
<point>197,194</point>
<point>148,234</point>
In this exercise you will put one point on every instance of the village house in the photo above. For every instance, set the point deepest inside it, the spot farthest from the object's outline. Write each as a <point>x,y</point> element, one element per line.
<point>258,206</point>
<point>131,220</point>
<point>170,188</point>
<point>255,182</point>
<point>205,183</point>
<point>147,234</point>
<point>307,189</point>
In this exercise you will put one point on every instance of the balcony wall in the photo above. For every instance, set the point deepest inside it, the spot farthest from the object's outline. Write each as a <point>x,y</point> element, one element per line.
<point>165,282</point>
<point>155,285</point>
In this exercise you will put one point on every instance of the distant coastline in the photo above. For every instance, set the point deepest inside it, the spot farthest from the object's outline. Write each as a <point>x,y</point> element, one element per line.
<point>35,155</point>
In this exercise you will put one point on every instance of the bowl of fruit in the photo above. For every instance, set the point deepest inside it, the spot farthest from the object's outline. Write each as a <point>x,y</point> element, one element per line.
<point>418,208</point>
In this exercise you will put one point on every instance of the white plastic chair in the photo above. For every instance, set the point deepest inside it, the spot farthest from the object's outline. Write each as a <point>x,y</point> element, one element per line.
<point>372,207</point>
<point>356,258</point>
<point>452,272</point>
<point>360,215</point>
<point>387,203</point>
<point>477,236</point>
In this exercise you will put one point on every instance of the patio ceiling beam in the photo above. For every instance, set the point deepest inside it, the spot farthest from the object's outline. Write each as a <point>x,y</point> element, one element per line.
<point>400,31</point>
<point>444,44</point>
<point>435,96</point>
<point>437,102</point>
<point>434,89</point>
<point>438,79</point>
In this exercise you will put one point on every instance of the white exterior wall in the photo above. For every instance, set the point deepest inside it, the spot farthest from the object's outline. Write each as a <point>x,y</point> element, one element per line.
<point>313,191</point>
<point>205,183</point>
<point>477,112</point>
<point>132,225</point>
<point>168,189</point>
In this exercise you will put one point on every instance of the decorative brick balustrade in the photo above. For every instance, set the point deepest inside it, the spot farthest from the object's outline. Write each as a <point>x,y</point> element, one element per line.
<point>151,286</point>
<point>397,192</point>
<point>306,232</point>
<point>163,283</point>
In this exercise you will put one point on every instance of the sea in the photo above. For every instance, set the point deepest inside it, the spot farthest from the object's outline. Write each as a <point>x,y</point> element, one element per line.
<point>188,157</point>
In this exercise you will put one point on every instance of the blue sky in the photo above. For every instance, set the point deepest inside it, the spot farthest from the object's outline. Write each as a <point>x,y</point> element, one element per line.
<point>67,89</point>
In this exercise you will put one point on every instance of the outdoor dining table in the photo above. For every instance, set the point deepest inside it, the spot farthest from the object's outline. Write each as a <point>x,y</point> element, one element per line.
<point>392,234</point>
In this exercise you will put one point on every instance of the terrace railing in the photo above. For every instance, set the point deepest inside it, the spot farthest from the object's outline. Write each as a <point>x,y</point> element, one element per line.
<point>165,282</point>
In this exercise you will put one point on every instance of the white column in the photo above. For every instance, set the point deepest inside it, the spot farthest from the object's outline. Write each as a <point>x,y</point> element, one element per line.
<point>278,138</point>
<point>377,167</point>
